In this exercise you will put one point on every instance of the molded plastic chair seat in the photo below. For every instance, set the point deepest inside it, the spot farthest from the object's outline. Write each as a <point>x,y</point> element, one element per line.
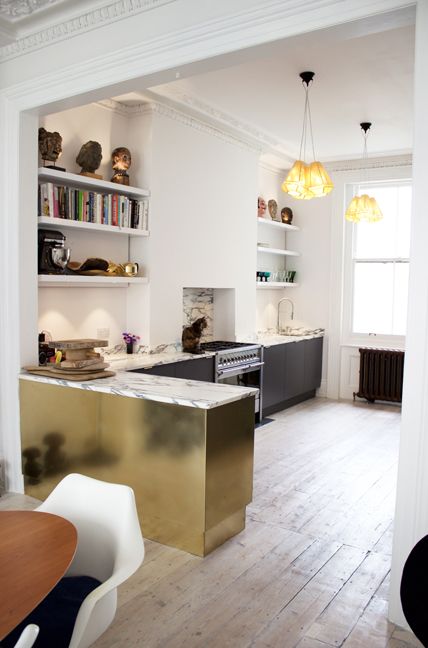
<point>413,591</point>
<point>110,547</point>
<point>28,636</point>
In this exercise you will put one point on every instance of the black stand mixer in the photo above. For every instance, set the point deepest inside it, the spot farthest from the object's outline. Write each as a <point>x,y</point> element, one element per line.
<point>53,256</point>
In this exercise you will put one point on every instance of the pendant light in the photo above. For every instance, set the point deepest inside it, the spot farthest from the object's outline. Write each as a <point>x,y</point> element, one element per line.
<point>364,207</point>
<point>306,181</point>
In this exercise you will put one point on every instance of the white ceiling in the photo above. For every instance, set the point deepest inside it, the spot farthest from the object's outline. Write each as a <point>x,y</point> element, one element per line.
<point>358,77</point>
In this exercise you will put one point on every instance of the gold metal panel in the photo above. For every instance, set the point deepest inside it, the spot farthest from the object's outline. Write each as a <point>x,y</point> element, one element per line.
<point>189,468</point>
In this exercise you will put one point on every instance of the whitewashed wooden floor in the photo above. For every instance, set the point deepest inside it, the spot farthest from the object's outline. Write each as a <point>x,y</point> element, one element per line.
<point>311,568</point>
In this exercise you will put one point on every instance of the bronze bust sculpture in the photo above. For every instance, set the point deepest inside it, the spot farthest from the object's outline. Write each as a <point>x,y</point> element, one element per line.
<point>50,147</point>
<point>121,161</point>
<point>89,159</point>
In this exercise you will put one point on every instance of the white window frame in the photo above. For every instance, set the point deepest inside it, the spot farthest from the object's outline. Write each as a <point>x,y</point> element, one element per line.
<point>349,337</point>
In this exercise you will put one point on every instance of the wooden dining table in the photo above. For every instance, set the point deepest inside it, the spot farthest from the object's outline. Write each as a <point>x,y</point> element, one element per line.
<point>36,549</point>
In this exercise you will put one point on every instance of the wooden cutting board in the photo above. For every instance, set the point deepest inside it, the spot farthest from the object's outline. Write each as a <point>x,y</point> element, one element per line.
<point>82,364</point>
<point>77,344</point>
<point>67,370</point>
<point>44,371</point>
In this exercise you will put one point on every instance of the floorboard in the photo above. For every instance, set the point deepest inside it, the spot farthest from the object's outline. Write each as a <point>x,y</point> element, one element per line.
<point>311,569</point>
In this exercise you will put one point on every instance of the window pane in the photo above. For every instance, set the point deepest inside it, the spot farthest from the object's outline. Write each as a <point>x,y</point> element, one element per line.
<point>380,298</point>
<point>390,237</point>
<point>373,296</point>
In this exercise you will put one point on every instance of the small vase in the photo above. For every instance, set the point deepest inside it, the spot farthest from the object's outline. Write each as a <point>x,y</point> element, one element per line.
<point>129,347</point>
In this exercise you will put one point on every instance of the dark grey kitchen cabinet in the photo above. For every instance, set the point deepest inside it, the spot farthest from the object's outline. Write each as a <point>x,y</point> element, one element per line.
<point>291,373</point>
<point>273,375</point>
<point>201,369</point>
<point>313,363</point>
<point>294,369</point>
<point>158,370</point>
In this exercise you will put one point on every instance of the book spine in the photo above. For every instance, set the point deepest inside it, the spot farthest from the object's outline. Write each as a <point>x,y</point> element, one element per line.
<point>50,194</point>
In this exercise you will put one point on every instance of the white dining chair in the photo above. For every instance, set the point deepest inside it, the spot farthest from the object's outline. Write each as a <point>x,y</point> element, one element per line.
<point>110,546</point>
<point>28,636</point>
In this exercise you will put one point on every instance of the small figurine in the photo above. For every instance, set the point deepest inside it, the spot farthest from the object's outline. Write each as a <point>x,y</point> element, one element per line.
<point>287,215</point>
<point>50,147</point>
<point>121,161</point>
<point>191,338</point>
<point>89,158</point>
<point>261,207</point>
<point>273,208</point>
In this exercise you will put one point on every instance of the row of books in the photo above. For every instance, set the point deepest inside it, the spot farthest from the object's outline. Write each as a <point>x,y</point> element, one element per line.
<point>92,207</point>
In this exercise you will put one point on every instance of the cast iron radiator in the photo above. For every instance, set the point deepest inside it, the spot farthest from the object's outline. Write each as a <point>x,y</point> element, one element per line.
<point>381,375</point>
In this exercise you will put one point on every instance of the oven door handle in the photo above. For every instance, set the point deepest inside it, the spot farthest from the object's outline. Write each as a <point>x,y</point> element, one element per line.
<point>239,370</point>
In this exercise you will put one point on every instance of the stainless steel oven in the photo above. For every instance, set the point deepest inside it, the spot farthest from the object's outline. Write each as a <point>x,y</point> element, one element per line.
<point>238,363</point>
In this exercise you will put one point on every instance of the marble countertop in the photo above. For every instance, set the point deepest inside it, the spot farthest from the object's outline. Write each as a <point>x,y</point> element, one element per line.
<point>191,393</point>
<point>270,338</point>
<point>132,361</point>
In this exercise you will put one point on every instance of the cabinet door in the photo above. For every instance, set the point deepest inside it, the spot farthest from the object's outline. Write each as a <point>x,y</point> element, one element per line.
<point>273,375</point>
<point>202,369</point>
<point>294,369</point>
<point>160,370</point>
<point>313,363</point>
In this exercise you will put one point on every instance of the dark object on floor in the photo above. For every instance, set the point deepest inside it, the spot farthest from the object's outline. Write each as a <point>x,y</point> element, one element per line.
<point>264,421</point>
<point>413,590</point>
<point>56,614</point>
<point>381,375</point>
<point>191,337</point>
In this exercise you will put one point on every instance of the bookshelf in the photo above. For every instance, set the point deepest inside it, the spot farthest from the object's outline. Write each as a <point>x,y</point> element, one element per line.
<point>73,198</point>
<point>79,223</point>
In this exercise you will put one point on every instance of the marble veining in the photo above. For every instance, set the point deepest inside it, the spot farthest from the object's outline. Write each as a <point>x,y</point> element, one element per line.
<point>134,361</point>
<point>190,393</point>
<point>199,302</point>
<point>270,338</point>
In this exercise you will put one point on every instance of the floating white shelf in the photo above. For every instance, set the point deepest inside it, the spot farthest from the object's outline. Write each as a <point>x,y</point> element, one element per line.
<point>277,224</point>
<point>269,250</point>
<point>83,281</point>
<point>65,223</point>
<point>75,180</point>
<point>275,285</point>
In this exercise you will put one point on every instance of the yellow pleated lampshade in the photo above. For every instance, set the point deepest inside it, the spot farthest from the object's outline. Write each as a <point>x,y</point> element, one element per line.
<point>363,208</point>
<point>318,181</point>
<point>306,181</point>
<point>295,182</point>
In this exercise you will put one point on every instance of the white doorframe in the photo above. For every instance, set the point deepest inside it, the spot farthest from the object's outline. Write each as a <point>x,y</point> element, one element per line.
<point>112,74</point>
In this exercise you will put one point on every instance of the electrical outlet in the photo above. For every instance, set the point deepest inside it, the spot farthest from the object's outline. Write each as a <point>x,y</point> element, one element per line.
<point>103,334</point>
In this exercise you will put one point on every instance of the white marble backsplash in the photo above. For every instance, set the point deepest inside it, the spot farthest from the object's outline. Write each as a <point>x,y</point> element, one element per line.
<point>199,302</point>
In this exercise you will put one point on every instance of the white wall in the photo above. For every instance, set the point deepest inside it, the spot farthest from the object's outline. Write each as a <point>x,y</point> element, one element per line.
<point>203,227</point>
<point>201,234</point>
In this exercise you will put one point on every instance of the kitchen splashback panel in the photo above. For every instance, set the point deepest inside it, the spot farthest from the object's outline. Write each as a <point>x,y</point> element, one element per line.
<point>199,302</point>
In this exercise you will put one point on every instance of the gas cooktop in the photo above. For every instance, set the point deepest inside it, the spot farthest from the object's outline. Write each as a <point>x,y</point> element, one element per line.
<point>222,345</point>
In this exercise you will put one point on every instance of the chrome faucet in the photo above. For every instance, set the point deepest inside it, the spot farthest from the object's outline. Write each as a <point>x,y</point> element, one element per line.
<point>279,309</point>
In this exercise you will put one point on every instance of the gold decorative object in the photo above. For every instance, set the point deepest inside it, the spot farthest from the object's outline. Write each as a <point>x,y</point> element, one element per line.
<point>364,208</point>
<point>306,181</point>
<point>121,161</point>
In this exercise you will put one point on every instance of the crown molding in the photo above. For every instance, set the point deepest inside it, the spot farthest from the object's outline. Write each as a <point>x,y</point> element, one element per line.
<point>388,161</point>
<point>85,22</point>
<point>219,116</point>
<point>165,110</point>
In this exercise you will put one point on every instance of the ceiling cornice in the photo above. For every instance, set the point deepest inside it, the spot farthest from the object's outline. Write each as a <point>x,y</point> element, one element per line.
<point>159,108</point>
<point>92,19</point>
<point>387,161</point>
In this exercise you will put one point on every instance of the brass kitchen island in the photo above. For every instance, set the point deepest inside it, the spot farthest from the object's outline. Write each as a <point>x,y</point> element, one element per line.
<point>185,447</point>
